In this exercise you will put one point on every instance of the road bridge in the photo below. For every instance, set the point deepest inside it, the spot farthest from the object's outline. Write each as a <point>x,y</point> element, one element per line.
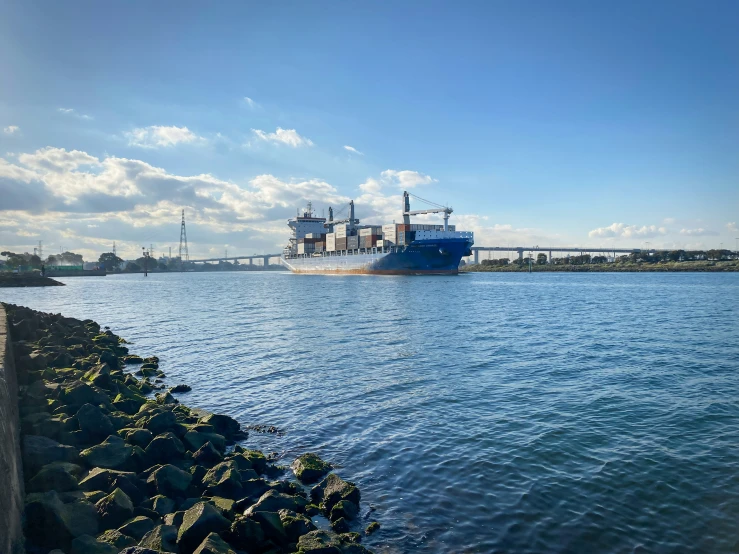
<point>521,249</point>
<point>264,257</point>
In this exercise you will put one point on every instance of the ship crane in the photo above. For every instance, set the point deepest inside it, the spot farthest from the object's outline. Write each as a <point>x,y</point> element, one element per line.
<point>447,211</point>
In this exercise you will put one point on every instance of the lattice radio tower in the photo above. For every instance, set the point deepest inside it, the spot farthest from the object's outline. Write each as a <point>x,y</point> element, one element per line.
<point>184,256</point>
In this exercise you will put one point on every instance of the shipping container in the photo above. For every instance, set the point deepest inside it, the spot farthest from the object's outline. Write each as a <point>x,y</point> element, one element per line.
<point>341,243</point>
<point>341,230</point>
<point>388,229</point>
<point>352,243</point>
<point>370,230</point>
<point>380,243</point>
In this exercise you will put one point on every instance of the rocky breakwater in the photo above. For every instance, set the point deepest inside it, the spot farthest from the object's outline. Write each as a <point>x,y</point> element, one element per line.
<point>110,469</point>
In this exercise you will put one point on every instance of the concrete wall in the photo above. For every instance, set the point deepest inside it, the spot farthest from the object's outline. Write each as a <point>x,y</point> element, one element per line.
<point>11,476</point>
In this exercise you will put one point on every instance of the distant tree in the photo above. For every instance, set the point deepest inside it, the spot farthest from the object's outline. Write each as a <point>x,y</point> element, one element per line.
<point>599,259</point>
<point>110,261</point>
<point>162,266</point>
<point>70,258</point>
<point>34,261</point>
<point>133,267</point>
<point>541,259</point>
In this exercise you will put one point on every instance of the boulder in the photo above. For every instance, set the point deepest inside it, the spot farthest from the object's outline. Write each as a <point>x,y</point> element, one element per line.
<point>162,538</point>
<point>180,389</point>
<point>113,453</point>
<point>253,489</point>
<point>165,447</point>
<point>93,422</point>
<point>53,477</point>
<point>85,544</point>
<point>139,437</point>
<point>137,527</point>
<point>246,534</point>
<point>207,454</point>
<point>117,539</point>
<point>333,489</point>
<point>40,451</point>
<point>353,548</point>
<point>101,479</point>
<point>273,501</point>
<point>166,398</point>
<point>49,522</point>
<point>137,550</point>
<point>79,393</point>
<point>197,523</point>
<point>161,422</point>
<point>256,459</point>
<point>345,509</point>
<point>340,525</point>
<point>132,359</point>
<point>160,504</point>
<point>214,544</point>
<point>224,505</point>
<point>295,525</point>
<point>115,509</point>
<point>271,525</point>
<point>170,481</point>
<point>319,542</point>
<point>174,519</point>
<point>223,424</point>
<point>372,527</point>
<point>309,468</point>
<point>195,440</point>
<point>134,487</point>
<point>223,480</point>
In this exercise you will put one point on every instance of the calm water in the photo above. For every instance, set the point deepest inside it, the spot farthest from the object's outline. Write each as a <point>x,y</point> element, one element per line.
<point>479,413</point>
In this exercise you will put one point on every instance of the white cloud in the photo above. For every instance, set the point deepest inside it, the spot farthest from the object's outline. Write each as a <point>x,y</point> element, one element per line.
<point>155,136</point>
<point>700,232</point>
<point>406,179</point>
<point>24,233</point>
<point>353,150</point>
<point>75,113</point>
<point>627,231</point>
<point>70,195</point>
<point>284,136</point>
<point>732,226</point>
<point>10,129</point>
<point>251,103</point>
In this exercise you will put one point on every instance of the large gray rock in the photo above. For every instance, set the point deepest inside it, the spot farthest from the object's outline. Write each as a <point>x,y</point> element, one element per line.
<point>170,481</point>
<point>295,525</point>
<point>194,440</point>
<point>85,544</point>
<point>79,393</point>
<point>207,454</point>
<point>309,468</point>
<point>273,501</point>
<point>161,422</point>
<point>137,527</point>
<point>117,539</point>
<point>164,448</point>
<point>53,477</point>
<point>51,523</point>
<point>319,542</point>
<point>333,489</point>
<point>93,422</point>
<point>115,509</point>
<point>246,534</point>
<point>214,544</point>
<point>39,451</point>
<point>162,538</point>
<point>224,425</point>
<point>160,504</point>
<point>271,525</point>
<point>223,480</point>
<point>102,479</point>
<point>113,453</point>
<point>139,437</point>
<point>345,509</point>
<point>197,523</point>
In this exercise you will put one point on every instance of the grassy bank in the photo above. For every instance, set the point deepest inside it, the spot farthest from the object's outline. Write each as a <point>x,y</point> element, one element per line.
<point>703,266</point>
<point>115,463</point>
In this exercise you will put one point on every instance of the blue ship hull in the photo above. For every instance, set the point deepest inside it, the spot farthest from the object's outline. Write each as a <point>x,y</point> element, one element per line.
<point>421,257</point>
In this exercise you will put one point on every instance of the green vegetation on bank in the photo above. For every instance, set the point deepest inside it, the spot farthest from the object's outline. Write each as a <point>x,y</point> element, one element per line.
<point>705,266</point>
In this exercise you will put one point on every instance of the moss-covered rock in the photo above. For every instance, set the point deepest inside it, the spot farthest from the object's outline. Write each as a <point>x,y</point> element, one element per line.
<point>333,489</point>
<point>93,422</point>
<point>162,538</point>
<point>113,453</point>
<point>197,523</point>
<point>223,424</point>
<point>273,501</point>
<point>137,527</point>
<point>170,481</point>
<point>309,468</point>
<point>207,454</point>
<point>164,448</point>
<point>86,544</point>
<point>196,440</point>
<point>116,538</point>
<point>115,509</point>
<point>372,527</point>
<point>246,534</point>
<point>319,542</point>
<point>50,523</point>
<point>53,477</point>
<point>344,508</point>
<point>214,544</point>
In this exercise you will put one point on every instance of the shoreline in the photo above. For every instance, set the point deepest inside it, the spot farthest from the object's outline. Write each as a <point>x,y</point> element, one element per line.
<point>672,267</point>
<point>13,280</point>
<point>108,468</point>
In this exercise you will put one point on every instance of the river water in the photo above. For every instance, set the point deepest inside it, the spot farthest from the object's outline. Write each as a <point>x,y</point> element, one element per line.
<point>478,413</point>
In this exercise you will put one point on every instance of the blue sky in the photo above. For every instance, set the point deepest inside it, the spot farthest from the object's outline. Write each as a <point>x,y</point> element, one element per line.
<point>607,123</point>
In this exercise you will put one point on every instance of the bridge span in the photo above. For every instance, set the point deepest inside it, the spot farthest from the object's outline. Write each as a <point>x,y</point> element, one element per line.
<point>521,249</point>
<point>264,257</point>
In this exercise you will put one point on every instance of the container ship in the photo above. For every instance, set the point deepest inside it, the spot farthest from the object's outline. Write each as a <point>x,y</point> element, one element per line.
<point>321,246</point>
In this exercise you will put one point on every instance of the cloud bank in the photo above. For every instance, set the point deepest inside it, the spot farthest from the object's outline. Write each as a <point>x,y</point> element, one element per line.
<point>289,137</point>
